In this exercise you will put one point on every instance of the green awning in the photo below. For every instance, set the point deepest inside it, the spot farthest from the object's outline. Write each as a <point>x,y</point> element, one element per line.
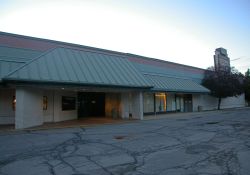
<point>73,66</point>
<point>8,66</point>
<point>12,58</point>
<point>174,84</point>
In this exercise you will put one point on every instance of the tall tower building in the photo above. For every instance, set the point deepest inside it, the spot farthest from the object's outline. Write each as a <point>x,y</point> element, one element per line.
<point>221,60</point>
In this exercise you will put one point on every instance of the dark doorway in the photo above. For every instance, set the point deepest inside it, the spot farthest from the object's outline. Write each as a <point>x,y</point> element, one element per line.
<point>91,104</point>
<point>188,105</point>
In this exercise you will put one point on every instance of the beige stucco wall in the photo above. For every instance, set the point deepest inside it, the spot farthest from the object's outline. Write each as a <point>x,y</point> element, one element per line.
<point>59,114</point>
<point>29,110</point>
<point>126,104</point>
<point>48,115</point>
<point>132,103</point>
<point>113,105</point>
<point>137,105</point>
<point>54,112</point>
<point>28,107</point>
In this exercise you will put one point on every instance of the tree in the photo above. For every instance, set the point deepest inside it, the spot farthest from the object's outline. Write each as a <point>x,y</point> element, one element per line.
<point>247,86</point>
<point>247,74</point>
<point>223,84</point>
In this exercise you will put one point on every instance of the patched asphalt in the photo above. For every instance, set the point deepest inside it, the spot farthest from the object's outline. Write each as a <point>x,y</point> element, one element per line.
<point>200,143</point>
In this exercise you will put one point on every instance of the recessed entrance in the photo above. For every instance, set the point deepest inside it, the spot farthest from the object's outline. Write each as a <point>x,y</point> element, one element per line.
<point>188,106</point>
<point>91,104</point>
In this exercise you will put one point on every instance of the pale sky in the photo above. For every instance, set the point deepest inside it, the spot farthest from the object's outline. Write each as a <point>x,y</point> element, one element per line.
<point>181,31</point>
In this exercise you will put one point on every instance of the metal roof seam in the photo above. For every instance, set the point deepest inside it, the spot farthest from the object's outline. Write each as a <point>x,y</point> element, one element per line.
<point>66,44</point>
<point>81,76</point>
<point>113,70</point>
<point>100,63</point>
<point>85,64</point>
<point>14,57</point>
<point>139,77</point>
<point>123,78</point>
<point>18,47</point>
<point>46,68</point>
<point>84,68</point>
<point>129,66</point>
<point>92,49</point>
<point>67,57</point>
<point>55,66</point>
<point>174,84</point>
<point>73,83</point>
<point>127,75</point>
<point>12,61</point>
<point>164,75</point>
<point>94,68</point>
<point>99,67</point>
<point>38,70</point>
<point>34,59</point>
<point>164,61</point>
<point>107,75</point>
<point>61,59</point>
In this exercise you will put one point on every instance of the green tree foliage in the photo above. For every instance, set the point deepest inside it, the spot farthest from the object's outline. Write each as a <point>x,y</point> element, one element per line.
<point>223,84</point>
<point>247,74</point>
<point>247,86</point>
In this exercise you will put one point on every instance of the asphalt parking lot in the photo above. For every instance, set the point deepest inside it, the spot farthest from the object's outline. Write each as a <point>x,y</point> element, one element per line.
<point>208,143</point>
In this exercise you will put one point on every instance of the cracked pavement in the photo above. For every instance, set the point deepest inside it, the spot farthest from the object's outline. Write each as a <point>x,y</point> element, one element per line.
<point>207,143</point>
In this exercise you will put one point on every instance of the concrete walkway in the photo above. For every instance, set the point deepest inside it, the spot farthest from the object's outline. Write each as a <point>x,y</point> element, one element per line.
<point>191,114</point>
<point>84,122</point>
<point>95,121</point>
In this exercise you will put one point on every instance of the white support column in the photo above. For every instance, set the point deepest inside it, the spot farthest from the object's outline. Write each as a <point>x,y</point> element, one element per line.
<point>132,104</point>
<point>137,105</point>
<point>125,105</point>
<point>29,110</point>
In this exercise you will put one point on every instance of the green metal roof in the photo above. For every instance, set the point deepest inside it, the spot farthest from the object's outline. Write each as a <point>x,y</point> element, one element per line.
<point>7,66</point>
<point>12,58</point>
<point>174,84</point>
<point>17,54</point>
<point>64,65</point>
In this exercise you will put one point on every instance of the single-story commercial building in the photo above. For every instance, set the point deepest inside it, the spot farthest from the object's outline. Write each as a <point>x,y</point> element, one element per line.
<point>50,81</point>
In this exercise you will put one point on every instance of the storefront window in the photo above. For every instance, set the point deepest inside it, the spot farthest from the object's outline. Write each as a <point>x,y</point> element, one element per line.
<point>179,103</point>
<point>68,103</point>
<point>148,102</point>
<point>160,102</point>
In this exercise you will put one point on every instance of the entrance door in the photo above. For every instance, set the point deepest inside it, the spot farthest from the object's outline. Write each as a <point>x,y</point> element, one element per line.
<point>188,105</point>
<point>91,104</point>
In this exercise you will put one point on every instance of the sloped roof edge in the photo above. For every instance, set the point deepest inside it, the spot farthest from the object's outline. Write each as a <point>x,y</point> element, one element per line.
<point>121,76</point>
<point>29,62</point>
<point>63,43</point>
<point>174,84</point>
<point>95,49</point>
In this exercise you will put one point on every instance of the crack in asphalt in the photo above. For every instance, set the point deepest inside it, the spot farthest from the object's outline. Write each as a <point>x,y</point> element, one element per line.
<point>199,144</point>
